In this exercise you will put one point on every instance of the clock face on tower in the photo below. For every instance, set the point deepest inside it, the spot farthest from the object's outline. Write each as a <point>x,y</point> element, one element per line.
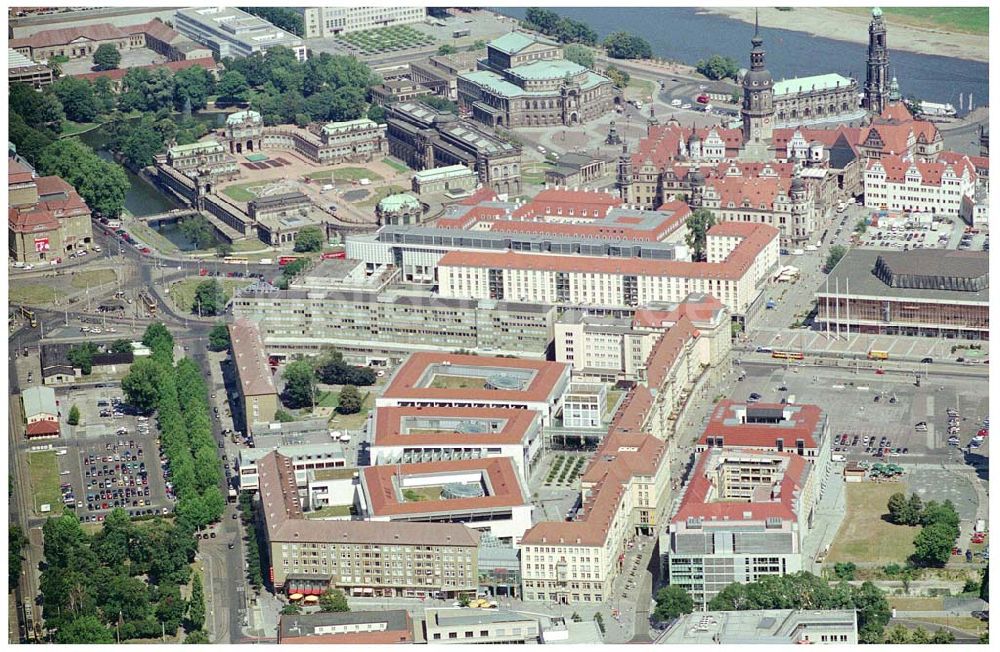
<point>767,121</point>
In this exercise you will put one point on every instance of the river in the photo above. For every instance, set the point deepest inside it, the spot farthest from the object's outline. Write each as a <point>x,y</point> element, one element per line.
<point>142,197</point>
<point>685,34</point>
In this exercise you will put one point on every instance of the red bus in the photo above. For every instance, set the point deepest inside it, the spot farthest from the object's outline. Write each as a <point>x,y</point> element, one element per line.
<point>284,260</point>
<point>334,254</point>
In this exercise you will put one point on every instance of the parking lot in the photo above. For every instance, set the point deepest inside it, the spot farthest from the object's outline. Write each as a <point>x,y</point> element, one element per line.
<point>885,409</point>
<point>936,236</point>
<point>111,458</point>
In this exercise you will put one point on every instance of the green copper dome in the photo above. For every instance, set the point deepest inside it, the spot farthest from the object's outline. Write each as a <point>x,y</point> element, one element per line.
<point>876,12</point>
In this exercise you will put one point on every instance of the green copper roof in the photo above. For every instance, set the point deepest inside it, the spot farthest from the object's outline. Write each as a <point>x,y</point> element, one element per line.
<point>500,86</point>
<point>240,116</point>
<point>814,83</point>
<point>514,42</point>
<point>340,127</point>
<point>195,147</point>
<point>398,202</point>
<point>876,12</point>
<point>447,172</point>
<point>550,69</point>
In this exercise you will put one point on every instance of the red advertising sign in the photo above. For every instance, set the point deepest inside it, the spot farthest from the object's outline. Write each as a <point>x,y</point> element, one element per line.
<point>41,244</point>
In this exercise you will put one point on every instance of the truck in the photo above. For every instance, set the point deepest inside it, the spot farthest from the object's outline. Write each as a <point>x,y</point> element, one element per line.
<point>980,526</point>
<point>838,458</point>
<point>266,261</point>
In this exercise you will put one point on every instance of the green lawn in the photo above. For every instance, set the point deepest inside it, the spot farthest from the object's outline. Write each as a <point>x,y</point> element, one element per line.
<point>182,292</point>
<point>967,20</point>
<point>70,128</point>
<point>93,278</point>
<point>442,381</point>
<point>33,294</point>
<point>422,494</point>
<point>43,469</point>
<point>641,89</point>
<point>241,191</point>
<point>153,237</point>
<point>380,194</point>
<point>613,397</point>
<point>398,167</point>
<point>864,536</point>
<point>534,173</point>
<point>345,174</point>
<point>386,39</point>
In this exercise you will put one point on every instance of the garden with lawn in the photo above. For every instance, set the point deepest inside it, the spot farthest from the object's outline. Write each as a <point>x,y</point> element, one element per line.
<point>43,469</point>
<point>865,536</point>
<point>344,174</point>
<point>565,469</point>
<point>385,39</point>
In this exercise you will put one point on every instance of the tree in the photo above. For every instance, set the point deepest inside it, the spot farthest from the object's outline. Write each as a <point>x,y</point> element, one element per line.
<point>142,143</point>
<point>223,249</point>
<point>39,110</point>
<point>623,45</point>
<point>898,635</point>
<point>197,637</point>
<point>698,224</point>
<point>543,19</point>
<point>233,87</point>
<point>942,637</point>
<point>376,113</point>
<point>104,95</point>
<point>309,239</point>
<point>619,78</point>
<point>440,103</point>
<point>198,230</point>
<point>218,337</point>
<point>291,610</point>
<point>192,86</point>
<point>718,67</point>
<point>147,90</point>
<point>282,416</point>
<point>844,570</point>
<point>914,510</point>
<point>920,636</point>
<point>579,54</point>
<point>101,184</point>
<point>984,584</point>
<point>599,619</point>
<point>833,257</point>
<point>159,340</point>
<point>85,629</point>
<point>196,605</point>
<point>300,384</point>
<point>107,57</point>
<point>672,602</point>
<point>333,600</point>
<point>77,98</point>
<point>141,385</point>
<point>898,508</point>
<point>933,544</point>
<point>464,601</point>
<point>861,226</point>
<point>82,356</point>
<point>121,345</point>
<point>30,142</point>
<point>447,49</point>
<point>74,416</point>
<point>15,544</point>
<point>209,298</point>
<point>350,400</point>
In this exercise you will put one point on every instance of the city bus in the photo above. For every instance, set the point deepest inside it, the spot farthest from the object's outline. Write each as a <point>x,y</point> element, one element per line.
<point>787,355</point>
<point>878,355</point>
<point>284,260</point>
<point>235,260</point>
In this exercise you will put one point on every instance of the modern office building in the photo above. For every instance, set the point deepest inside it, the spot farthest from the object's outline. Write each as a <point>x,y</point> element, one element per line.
<point>372,326</point>
<point>22,70</point>
<point>362,558</point>
<point>443,380</point>
<point>304,458</point>
<point>524,81</point>
<point>380,627</point>
<point>322,22</point>
<point>258,396</point>
<point>765,627</point>
<point>743,515</point>
<point>802,429</point>
<point>925,292</point>
<point>406,435</point>
<point>425,138</point>
<point>485,494</point>
<point>231,32</point>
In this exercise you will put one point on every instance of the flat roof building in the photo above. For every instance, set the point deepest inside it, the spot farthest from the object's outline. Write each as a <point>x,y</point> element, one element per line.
<point>922,292</point>
<point>231,32</point>
<point>764,626</point>
<point>379,627</point>
<point>321,22</point>
<point>258,395</point>
<point>472,626</point>
<point>453,380</point>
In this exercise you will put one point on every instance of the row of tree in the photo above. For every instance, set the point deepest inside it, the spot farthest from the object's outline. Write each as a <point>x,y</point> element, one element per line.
<point>939,527</point>
<point>564,30</point>
<point>804,590</point>
<point>718,67</point>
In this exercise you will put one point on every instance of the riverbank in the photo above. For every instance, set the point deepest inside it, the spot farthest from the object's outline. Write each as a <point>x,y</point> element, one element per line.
<point>843,26</point>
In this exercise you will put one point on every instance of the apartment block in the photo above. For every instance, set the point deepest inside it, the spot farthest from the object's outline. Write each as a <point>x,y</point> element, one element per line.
<point>369,325</point>
<point>765,626</point>
<point>258,395</point>
<point>900,184</point>
<point>362,558</point>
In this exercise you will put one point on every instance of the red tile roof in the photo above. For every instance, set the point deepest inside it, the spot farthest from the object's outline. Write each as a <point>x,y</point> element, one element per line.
<point>208,63</point>
<point>404,383</point>
<point>930,173</point>
<point>753,192</point>
<point>577,203</point>
<point>66,35</point>
<point>632,412</point>
<point>694,505</point>
<point>43,428</point>
<point>895,112</point>
<point>18,172</point>
<point>382,484</point>
<point>389,428</point>
<point>250,360</point>
<point>482,194</point>
<point>31,220</point>
<point>667,349</point>
<point>802,422</point>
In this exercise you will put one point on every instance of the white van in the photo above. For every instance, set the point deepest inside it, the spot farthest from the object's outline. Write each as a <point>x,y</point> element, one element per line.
<point>345,438</point>
<point>675,102</point>
<point>791,399</point>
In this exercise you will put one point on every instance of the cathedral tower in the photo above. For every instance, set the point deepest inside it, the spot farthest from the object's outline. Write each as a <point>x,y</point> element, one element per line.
<point>877,81</point>
<point>758,95</point>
